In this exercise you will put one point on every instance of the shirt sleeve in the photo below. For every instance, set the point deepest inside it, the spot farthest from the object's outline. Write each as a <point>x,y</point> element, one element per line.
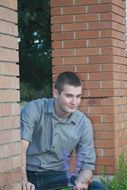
<point>28,120</point>
<point>85,149</point>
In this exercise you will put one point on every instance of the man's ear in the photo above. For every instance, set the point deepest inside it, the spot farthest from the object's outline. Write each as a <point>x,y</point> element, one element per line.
<point>55,93</point>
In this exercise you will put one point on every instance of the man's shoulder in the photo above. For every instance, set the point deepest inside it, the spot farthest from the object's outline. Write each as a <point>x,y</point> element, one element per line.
<point>37,104</point>
<point>79,115</point>
<point>82,119</point>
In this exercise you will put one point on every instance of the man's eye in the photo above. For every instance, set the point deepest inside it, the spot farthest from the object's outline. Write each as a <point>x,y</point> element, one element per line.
<point>68,95</point>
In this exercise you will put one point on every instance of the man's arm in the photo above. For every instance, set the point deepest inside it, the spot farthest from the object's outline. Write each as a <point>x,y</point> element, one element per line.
<point>85,157</point>
<point>25,184</point>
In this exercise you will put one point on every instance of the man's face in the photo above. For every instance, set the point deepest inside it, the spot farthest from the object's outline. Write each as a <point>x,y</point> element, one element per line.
<point>68,100</point>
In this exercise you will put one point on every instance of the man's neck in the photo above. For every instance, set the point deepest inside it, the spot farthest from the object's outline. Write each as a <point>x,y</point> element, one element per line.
<point>61,114</point>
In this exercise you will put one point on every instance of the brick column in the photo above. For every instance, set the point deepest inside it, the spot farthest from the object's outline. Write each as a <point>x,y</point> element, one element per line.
<point>10,161</point>
<point>88,37</point>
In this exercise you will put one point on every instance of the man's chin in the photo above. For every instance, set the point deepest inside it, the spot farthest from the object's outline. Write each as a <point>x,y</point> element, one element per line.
<point>71,110</point>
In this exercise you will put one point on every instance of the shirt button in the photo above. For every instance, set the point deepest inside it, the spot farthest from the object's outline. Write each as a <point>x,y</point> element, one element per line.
<point>56,134</point>
<point>53,146</point>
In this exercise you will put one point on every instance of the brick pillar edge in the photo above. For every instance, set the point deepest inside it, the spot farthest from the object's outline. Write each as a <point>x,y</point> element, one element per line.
<point>10,162</point>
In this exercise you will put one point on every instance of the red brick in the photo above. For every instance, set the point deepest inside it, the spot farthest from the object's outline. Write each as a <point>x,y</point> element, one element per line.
<point>57,44</point>
<point>8,55</point>
<point>104,135</point>
<point>13,149</point>
<point>106,33</point>
<point>106,51</point>
<point>9,122</point>
<point>105,152</point>
<point>59,69</point>
<point>99,8</point>
<point>73,10</point>
<point>9,4</point>
<point>9,136</point>
<point>98,93</point>
<point>104,143</point>
<point>5,165</point>
<point>118,18</point>
<point>106,16</point>
<point>87,51</point>
<point>86,17</point>
<point>8,28</point>
<point>8,15</point>
<point>56,11</point>
<point>119,10</point>
<point>119,60</point>
<point>10,69</point>
<point>86,34</point>
<point>8,41</point>
<point>7,82</point>
<point>88,68</point>
<point>63,36</point>
<point>57,61</point>
<point>101,109</point>
<point>89,101</point>
<point>7,109</point>
<point>105,161</point>
<point>62,52</point>
<point>74,26</point>
<point>118,27</point>
<point>117,35</point>
<point>62,19</point>
<point>56,3</point>
<point>56,28</point>
<point>85,2</point>
<point>109,169</point>
<point>100,42</point>
<point>118,43</point>
<point>74,43</point>
<point>100,76</point>
<point>107,125</point>
<point>100,25</point>
<point>101,59</point>
<point>74,60</point>
<point>9,96</point>
<point>10,177</point>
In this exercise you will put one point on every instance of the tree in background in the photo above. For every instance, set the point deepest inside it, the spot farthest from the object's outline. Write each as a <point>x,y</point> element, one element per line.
<point>34,48</point>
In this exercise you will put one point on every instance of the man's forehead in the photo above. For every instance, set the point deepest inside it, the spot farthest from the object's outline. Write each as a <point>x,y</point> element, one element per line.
<point>72,89</point>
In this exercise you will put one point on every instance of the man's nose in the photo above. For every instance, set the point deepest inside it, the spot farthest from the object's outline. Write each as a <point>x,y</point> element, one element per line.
<point>73,101</point>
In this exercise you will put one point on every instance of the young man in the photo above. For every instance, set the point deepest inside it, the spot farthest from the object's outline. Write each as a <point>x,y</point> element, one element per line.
<point>50,130</point>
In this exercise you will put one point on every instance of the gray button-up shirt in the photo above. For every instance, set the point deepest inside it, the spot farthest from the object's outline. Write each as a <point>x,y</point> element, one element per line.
<point>52,139</point>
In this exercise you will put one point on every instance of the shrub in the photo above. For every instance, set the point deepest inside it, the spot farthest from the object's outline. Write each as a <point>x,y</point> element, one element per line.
<point>119,180</point>
<point>28,93</point>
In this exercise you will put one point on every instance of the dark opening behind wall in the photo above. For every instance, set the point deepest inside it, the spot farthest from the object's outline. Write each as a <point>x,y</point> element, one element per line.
<point>34,48</point>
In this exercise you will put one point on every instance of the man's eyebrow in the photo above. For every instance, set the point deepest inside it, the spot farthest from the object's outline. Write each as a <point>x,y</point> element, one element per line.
<point>79,94</point>
<point>73,94</point>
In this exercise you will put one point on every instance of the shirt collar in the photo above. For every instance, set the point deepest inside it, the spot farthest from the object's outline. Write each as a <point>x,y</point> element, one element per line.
<point>50,109</point>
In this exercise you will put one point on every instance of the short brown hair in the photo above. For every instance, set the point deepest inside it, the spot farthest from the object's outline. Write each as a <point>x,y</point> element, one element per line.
<point>66,78</point>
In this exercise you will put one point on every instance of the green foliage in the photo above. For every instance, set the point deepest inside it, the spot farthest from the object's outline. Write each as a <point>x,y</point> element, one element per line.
<point>29,93</point>
<point>119,180</point>
<point>35,44</point>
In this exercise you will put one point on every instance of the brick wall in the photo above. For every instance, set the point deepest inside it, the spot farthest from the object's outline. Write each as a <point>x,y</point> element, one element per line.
<point>126,27</point>
<point>9,96</point>
<point>88,37</point>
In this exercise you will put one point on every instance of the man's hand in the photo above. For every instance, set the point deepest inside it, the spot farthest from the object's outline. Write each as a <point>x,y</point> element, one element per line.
<point>83,180</point>
<point>27,186</point>
<point>81,185</point>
